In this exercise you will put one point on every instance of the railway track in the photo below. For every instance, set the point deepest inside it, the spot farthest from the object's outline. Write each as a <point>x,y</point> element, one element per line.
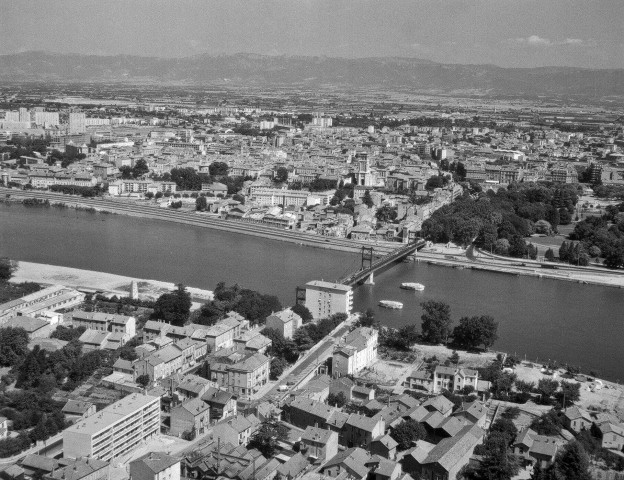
<point>193,219</point>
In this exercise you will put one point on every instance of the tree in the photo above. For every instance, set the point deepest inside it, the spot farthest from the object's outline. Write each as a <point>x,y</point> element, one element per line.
<point>281,174</point>
<point>367,199</point>
<point>569,394</point>
<point>547,387</point>
<point>505,427</point>
<point>367,319</point>
<point>218,169</point>
<point>408,432</point>
<point>173,307</point>
<point>564,216</point>
<point>436,321</point>
<point>571,463</point>
<point>498,463</point>
<point>201,203</point>
<point>278,365</point>
<point>549,423</point>
<point>386,214</point>
<point>337,399</point>
<point>149,195</point>
<point>472,332</point>
<point>549,255</point>
<point>7,268</point>
<point>303,312</point>
<point>143,380</point>
<point>186,178</point>
<point>140,168</point>
<point>266,437</point>
<point>13,345</point>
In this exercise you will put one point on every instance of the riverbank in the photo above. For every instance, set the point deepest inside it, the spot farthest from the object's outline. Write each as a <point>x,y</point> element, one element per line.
<point>456,258</point>
<point>107,283</point>
<point>191,217</point>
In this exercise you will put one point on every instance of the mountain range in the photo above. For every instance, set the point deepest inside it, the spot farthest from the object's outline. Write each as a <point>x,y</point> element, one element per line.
<point>392,73</point>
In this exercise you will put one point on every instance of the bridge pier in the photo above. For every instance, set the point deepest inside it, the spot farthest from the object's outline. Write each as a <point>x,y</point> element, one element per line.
<point>370,280</point>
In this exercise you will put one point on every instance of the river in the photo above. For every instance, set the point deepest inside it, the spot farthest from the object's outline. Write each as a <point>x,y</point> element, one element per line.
<point>549,319</point>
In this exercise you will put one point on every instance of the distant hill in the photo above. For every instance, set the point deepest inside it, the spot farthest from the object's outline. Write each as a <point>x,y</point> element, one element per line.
<point>392,73</point>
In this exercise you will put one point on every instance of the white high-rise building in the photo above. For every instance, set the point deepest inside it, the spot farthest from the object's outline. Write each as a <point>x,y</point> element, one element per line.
<point>116,430</point>
<point>24,115</point>
<point>326,298</point>
<point>77,123</point>
<point>46,118</point>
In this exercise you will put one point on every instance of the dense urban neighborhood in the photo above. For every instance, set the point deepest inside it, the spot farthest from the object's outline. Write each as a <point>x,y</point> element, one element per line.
<point>235,383</point>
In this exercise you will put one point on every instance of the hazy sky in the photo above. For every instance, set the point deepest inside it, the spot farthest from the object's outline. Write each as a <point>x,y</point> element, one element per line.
<point>524,33</point>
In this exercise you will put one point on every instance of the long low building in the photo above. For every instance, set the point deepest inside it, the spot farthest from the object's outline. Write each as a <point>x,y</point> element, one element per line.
<point>116,430</point>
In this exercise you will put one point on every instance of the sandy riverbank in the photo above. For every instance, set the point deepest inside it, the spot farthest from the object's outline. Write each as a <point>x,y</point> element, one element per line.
<point>105,282</point>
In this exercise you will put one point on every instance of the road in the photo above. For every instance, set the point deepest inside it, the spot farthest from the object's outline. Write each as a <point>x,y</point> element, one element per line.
<point>314,357</point>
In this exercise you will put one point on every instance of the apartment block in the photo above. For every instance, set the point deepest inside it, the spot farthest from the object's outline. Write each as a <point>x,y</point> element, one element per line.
<point>325,298</point>
<point>116,430</point>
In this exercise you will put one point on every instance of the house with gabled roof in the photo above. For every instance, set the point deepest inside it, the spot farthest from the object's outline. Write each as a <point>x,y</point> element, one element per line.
<point>319,444</point>
<point>155,466</point>
<point>577,419</point>
<point>475,412</point>
<point>384,446</point>
<point>190,417</point>
<point>447,458</point>
<point>534,448</point>
<point>352,461</point>
<point>440,404</point>
<point>360,431</point>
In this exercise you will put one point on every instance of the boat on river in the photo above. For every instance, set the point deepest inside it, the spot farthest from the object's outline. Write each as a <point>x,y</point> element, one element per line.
<point>419,287</point>
<point>391,304</point>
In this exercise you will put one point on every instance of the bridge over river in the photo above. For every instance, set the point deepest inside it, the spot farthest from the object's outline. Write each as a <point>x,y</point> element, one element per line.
<point>369,265</point>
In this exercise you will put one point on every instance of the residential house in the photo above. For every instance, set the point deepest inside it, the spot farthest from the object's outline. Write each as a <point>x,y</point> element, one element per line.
<point>293,467</point>
<point>191,417</point>
<point>352,461</point>
<point>155,466</point>
<point>319,444</point>
<point>610,434</point>
<point>444,460</point>
<point>247,376</point>
<point>358,351</point>
<point>105,322</point>
<point>384,446</point>
<point>35,327</point>
<point>81,469</point>
<point>286,322</point>
<point>453,379</point>
<point>439,404</point>
<point>577,419</point>
<point>360,431</point>
<point>303,412</point>
<point>222,404</point>
<point>534,448</point>
<point>160,364</point>
<point>222,334</point>
<point>77,409</point>
<point>237,430</point>
<point>475,412</point>
<point>252,341</point>
<point>193,386</point>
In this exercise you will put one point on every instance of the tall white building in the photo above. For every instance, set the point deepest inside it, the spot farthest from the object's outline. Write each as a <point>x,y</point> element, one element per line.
<point>77,123</point>
<point>116,430</point>
<point>24,115</point>
<point>46,118</point>
<point>326,298</point>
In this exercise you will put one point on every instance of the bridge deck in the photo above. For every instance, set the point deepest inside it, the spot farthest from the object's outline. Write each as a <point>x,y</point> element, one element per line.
<point>393,256</point>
